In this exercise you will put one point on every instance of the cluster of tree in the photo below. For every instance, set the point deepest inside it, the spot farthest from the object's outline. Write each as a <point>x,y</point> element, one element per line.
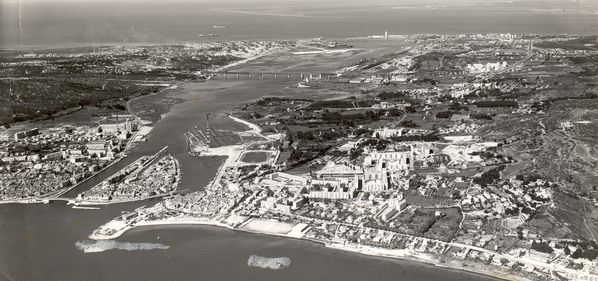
<point>347,103</point>
<point>512,211</point>
<point>44,98</point>
<point>528,178</point>
<point>378,144</point>
<point>117,178</point>
<point>409,124</point>
<point>542,246</point>
<point>410,109</point>
<point>426,80</point>
<point>497,103</point>
<point>585,249</point>
<point>362,132</point>
<point>301,156</point>
<point>445,114</point>
<point>398,95</point>
<point>545,104</point>
<point>355,152</point>
<point>336,116</point>
<point>486,154</point>
<point>319,135</point>
<point>525,209</point>
<point>200,62</point>
<point>480,116</point>
<point>489,176</point>
<point>589,254</point>
<point>456,106</point>
<point>267,100</point>
<point>115,106</point>
<point>30,147</point>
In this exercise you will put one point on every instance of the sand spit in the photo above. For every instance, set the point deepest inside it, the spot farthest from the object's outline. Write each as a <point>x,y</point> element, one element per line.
<point>269,263</point>
<point>89,246</point>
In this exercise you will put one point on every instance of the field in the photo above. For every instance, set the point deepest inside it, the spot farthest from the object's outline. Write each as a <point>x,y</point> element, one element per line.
<point>255,157</point>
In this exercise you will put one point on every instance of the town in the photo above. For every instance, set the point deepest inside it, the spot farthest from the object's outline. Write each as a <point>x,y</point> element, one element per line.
<point>467,151</point>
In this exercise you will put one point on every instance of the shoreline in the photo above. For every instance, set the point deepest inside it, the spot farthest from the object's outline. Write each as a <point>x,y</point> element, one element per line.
<point>364,250</point>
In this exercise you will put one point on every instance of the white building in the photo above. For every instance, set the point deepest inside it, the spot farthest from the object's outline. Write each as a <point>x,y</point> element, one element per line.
<point>385,133</point>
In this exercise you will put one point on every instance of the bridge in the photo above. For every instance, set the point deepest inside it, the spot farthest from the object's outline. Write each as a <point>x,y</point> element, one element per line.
<point>270,75</point>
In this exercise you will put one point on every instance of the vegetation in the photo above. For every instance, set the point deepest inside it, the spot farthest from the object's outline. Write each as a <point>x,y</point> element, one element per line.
<point>489,176</point>
<point>542,246</point>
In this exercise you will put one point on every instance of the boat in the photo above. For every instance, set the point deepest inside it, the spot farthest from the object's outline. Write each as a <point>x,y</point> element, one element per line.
<point>85,207</point>
<point>208,35</point>
<point>219,26</point>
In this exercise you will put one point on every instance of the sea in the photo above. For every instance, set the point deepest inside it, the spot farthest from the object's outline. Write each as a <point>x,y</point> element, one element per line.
<point>57,23</point>
<point>39,242</point>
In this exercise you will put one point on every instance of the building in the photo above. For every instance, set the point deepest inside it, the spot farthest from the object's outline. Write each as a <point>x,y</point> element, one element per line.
<point>331,192</point>
<point>117,128</point>
<point>53,156</point>
<point>25,134</point>
<point>375,179</point>
<point>338,171</point>
<point>392,160</point>
<point>393,207</point>
<point>385,133</point>
<point>460,117</point>
<point>288,178</point>
<point>399,202</point>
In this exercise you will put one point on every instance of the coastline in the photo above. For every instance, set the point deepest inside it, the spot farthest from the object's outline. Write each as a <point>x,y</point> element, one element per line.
<point>396,254</point>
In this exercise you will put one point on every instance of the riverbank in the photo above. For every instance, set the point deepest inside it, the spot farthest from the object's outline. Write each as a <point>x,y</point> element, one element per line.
<point>156,156</point>
<point>59,193</point>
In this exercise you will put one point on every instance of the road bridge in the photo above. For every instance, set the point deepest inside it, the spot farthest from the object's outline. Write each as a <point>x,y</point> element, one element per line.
<point>271,75</point>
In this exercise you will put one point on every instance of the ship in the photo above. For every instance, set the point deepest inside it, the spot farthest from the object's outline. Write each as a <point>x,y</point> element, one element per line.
<point>219,26</point>
<point>208,35</point>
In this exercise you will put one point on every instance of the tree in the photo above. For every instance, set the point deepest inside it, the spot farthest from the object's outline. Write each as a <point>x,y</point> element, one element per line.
<point>542,246</point>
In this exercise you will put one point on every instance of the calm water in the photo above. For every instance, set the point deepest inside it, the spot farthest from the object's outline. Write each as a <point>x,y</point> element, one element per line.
<point>37,241</point>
